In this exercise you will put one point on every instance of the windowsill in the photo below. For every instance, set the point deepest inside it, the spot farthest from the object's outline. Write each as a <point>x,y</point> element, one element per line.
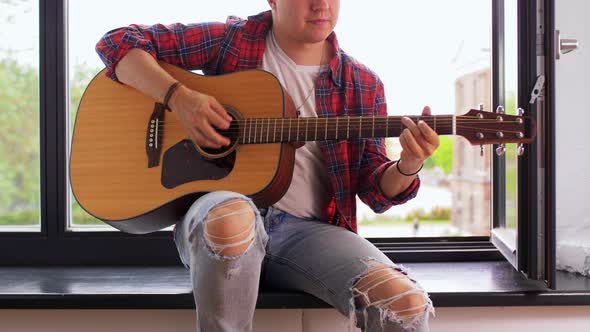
<point>450,284</point>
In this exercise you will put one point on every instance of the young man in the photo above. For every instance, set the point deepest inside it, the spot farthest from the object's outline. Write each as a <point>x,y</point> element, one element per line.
<point>307,241</point>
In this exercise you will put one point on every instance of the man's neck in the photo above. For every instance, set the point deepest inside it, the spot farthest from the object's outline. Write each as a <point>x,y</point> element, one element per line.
<point>307,54</point>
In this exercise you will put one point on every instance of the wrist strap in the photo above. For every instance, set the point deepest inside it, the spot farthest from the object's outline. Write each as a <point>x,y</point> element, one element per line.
<point>169,93</point>
<point>402,173</point>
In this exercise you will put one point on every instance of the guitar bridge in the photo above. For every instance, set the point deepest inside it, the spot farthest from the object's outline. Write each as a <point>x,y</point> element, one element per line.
<point>153,138</point>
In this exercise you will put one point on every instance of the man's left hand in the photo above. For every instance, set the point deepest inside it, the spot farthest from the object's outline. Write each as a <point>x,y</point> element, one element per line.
<point>418,143</point>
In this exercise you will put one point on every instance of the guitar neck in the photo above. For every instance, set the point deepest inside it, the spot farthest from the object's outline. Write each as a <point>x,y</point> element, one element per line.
<point>277,130</point>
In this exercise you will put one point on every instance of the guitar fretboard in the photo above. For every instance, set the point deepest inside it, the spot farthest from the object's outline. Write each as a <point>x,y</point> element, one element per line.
<point>275,130</point>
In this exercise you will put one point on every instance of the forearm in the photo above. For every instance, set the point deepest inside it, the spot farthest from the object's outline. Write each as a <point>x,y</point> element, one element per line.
<point>393,182</point>
<point>140,70</point>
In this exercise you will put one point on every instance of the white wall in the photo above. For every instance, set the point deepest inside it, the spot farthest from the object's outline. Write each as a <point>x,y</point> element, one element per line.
<point>573,116</point>
<point>480,319</point>
<point>572,136</point>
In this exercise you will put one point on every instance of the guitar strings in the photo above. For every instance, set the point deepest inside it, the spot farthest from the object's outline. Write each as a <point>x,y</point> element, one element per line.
<point>344,125</point>
<point>252,128</point>
<point>265,125</point>
<point>360,118</point>
<point>331,129</point>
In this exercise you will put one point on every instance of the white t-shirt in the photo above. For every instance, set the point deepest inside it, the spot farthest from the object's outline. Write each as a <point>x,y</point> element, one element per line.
<point>308,195</point>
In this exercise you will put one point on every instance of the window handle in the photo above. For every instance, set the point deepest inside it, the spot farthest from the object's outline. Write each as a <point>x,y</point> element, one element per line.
<point>564,46</point>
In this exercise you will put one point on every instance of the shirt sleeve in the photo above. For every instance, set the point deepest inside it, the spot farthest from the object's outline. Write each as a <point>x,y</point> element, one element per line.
<point>193,46</point>
<point>374,163</point>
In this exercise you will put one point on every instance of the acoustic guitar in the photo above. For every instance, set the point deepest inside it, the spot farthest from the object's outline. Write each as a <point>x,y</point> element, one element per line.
<point>133,166</point>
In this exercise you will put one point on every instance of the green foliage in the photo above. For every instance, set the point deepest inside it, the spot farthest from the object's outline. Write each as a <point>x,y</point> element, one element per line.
<point>19,140</point>
<point>19,137</point>
<point>443,156</point>
<point>20,218</point>
<point>511,168</point>
<point>436,213</point>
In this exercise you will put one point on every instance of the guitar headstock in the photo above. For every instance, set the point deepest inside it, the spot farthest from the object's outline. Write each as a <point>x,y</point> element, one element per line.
<point>480,127</point>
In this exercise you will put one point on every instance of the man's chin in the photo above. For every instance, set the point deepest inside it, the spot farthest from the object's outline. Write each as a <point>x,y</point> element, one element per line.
<point>317,37</point>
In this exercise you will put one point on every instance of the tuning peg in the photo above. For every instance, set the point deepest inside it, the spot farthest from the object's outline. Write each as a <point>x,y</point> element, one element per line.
<point>520,149</point>
<point>481,107</point>
<point>501,150</point>
<point>500,110</point>
<point>481,151</point>
<point>520,111</point>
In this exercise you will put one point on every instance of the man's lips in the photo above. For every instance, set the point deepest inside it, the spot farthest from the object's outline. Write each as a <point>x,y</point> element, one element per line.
<point>319,21</point>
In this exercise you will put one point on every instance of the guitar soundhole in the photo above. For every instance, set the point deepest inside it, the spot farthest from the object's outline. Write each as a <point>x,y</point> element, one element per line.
<point>182,163</point>
<point>231,133</point>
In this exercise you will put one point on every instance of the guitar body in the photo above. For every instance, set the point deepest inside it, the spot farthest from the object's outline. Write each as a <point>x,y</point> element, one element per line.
<point>111,174</point>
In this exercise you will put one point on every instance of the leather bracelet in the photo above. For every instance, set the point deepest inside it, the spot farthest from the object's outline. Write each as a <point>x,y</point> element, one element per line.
<point>402,173</point>
<point>169,93</point>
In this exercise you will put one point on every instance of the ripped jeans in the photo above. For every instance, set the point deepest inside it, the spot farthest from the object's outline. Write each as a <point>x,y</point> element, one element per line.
<point>290,253</point>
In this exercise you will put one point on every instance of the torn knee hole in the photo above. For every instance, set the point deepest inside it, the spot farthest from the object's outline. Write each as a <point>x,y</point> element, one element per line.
<point>392,291</point>
<point>230,227</point>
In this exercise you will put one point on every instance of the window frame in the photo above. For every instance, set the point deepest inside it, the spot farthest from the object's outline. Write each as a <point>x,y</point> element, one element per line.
<point>53,245</point>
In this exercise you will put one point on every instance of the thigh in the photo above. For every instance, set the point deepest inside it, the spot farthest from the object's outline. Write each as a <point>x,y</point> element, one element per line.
<point>318,258</point>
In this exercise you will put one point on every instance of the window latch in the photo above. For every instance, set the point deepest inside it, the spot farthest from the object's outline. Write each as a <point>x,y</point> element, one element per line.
<point>538,90</point>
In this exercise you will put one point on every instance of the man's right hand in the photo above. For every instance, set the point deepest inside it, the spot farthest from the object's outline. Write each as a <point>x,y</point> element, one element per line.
<point>200,114</point>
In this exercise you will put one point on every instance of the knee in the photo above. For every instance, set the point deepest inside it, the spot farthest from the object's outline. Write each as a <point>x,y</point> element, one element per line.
<point>389,289</point>
<point>230,227</point>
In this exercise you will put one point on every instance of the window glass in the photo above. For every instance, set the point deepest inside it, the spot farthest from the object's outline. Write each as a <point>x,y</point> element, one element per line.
<point>423,58</point>
<point>19,116</point>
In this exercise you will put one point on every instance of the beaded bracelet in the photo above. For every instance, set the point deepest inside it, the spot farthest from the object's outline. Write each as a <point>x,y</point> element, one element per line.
<point>402,173</point>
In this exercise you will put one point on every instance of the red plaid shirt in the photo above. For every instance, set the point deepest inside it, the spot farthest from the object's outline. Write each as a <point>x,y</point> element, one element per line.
<point>354,166</point>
